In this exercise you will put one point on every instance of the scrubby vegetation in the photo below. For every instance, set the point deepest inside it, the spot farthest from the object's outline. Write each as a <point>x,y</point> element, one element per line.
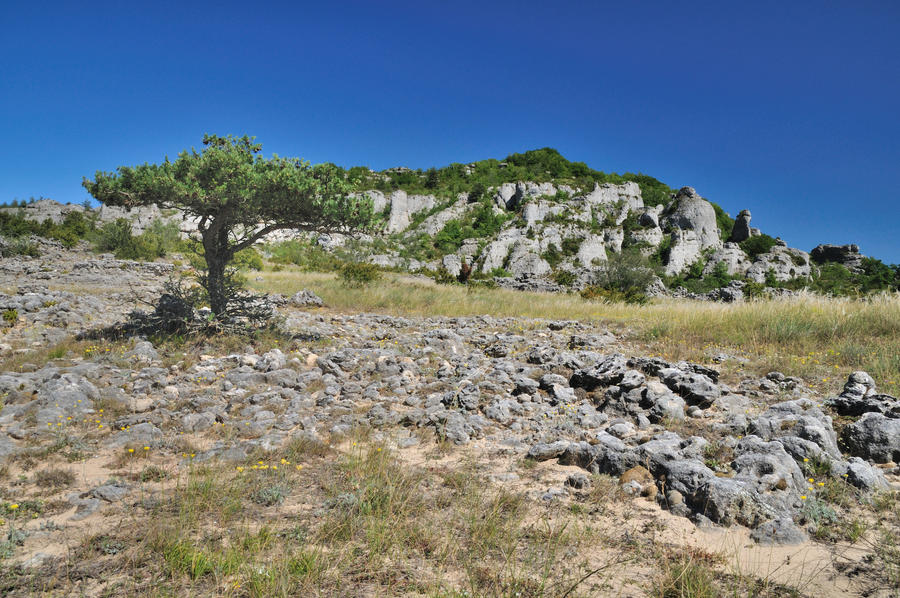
<point>540,165</point>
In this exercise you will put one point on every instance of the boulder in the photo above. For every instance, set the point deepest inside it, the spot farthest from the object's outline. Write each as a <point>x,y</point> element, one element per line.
<point>875,437</point>
<point>741,230</point>
<point>736,261</point>
<point>525,261</point>
<point>592,248</point>
<point>403,207</point>
<point>690,212</point>
<point>859,396</point>
<point>684,251</point>
<point>786,263</point>
<point>846,255</point>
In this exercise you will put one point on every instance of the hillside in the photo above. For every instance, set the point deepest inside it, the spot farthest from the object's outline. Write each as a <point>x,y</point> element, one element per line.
<point>537,221</point>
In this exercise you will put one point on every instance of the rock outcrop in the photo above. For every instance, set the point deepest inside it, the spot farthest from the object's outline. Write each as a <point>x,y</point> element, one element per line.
<point>846,255</point>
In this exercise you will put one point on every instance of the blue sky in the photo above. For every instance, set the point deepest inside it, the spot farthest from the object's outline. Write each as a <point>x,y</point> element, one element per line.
<point>789,109</point>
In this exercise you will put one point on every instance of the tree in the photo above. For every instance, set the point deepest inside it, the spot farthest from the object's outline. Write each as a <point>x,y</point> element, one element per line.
<point>236,197</point>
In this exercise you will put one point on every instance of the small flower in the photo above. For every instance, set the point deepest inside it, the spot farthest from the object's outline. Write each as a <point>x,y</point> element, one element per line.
<point>146,448</point>
<point>803,497</point>
<point>130,450</point>
<point>805,460</point>
<point>13,506</point>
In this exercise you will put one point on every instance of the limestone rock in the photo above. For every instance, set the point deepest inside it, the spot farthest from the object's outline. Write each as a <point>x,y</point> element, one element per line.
<point>690,212</point>
<point>403,207</point>
<point>874,436</point>
<point>784,262</point>
<point>846,255</point>
<point>592,248</point>
<point>741,229</point>
<point>736,261</point>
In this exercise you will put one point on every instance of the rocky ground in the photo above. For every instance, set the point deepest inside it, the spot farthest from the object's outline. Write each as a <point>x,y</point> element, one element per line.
<point>97,433</point>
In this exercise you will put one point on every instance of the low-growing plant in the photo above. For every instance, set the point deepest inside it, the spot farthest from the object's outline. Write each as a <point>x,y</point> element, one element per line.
<point>564,277</point>
<point>359,274</point>
<point>10,315</point>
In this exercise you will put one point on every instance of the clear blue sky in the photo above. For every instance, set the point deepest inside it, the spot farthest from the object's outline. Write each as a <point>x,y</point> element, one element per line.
<point>790,109</point>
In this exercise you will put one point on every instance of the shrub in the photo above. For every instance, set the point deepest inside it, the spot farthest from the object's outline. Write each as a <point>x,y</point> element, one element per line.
<point>627,271</point>
<point>564,278</point>
<point>724,222</point>
<point>308,256</point>
<point>754,290</point>
<point>552,255</point>
<point>248,259</point>
<point>571,245</point>
<point>359,274</point>
<point>19,246</point>
<point>10,315</point>
<point>757,245</point>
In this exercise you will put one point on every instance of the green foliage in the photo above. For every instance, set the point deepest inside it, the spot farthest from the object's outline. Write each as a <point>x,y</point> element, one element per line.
<point>248,259</point>
<point>481,221</point>
<point>539,165</point>
<point>10,315</point>
<point>500,273</point>
<point>570,245</point>
<point>237,196</point>
<point>552,255</point>
<point>358,274</point>
<point>754,290</point>
<point>661,255</point>
<point>598,293</point>
<point>564,278</point>
<point>309,256</point>
<point>450,238</point>
<point>723,221</point>
<point>19,246</point>
<point>158,240</point>
<point>14,225</point>
<point>623,277</point>
<point>757,245</point>
<point>694,281</point>
<point>836,279</point>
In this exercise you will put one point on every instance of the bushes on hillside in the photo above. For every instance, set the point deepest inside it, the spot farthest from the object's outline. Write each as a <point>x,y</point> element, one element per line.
<point>535,165</point>
<point>624,277</point>
<point>481,221</point>
<point>757,245</point>
<point>159,239</point>
<point>307,255</point>
<point>73,227</point>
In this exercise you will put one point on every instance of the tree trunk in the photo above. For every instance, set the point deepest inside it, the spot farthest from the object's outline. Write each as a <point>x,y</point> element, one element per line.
<point>215,284</point>
<point>217,258</point>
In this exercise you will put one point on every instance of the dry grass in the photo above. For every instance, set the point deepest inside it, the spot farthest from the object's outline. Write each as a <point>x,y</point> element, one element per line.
<point>817,338</point>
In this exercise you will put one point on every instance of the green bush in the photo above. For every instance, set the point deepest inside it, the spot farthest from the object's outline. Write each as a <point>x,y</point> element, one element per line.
<point>724,222</point>
<point>10,315</point>
<point>358,274</point>
<point>564,278</point>
<point>19,246</point>
<point>74,227</point>
<point>754,290</point>
<point>116,237</point>
<point>552,255</point>
<point>308,256</point>
<point>757,245</point>
<point>248,259</point>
